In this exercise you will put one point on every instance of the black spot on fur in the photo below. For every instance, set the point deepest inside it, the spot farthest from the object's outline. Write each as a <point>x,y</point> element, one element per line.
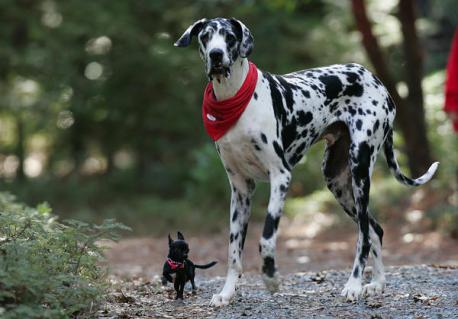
<point>361,170</point>
<point>356,272</point>
<point>255,95</point>
<point>306,93</point>
<point>280,154</point>
<point>359,124</point>
<point>269,266</point>
<point>376,80</point>
<point>351,110</point>
<point>333,86</point>
<point>244,232</point>
<point>304,117</point>
<point>270,225</point>
<point>289,133</point>
<point>377,228</point>
<point>264,138</point>
<point>390,104</point>
<point>354,89</point>
<point>235,215</point>
<point>366,244</point>
<point>287,89</point>
<point>351,77</point>
<point>376,126</point>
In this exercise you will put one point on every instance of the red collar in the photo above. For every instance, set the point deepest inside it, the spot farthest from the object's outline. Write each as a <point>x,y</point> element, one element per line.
<point>220,116</point>
<point>174,264</point>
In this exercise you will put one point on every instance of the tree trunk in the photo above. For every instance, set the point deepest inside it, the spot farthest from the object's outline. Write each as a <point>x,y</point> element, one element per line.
<point>413,127</point>
<point>414,75</point>
<point>20,147</point>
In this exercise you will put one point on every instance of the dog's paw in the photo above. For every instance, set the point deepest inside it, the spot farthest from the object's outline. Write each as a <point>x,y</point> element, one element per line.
<point>272,283</point>
<point>352,291</point>
<point>374,288</point>
<point>219,300</point>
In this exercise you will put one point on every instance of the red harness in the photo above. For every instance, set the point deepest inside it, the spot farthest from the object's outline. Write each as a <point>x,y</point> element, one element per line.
<point>220,116</point>
<point>174,264</point>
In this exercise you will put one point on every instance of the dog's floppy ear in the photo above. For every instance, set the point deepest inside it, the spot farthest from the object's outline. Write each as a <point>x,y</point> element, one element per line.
<point>170,240</point>
<point>191,31</point>
<point>180,236</point>
<point>245,37</point>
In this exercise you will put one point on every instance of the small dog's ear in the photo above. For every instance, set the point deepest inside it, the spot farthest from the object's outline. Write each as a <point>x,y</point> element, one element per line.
<point>245,37</point>
<point>180,236</point>
<point>191,31</point>
<point>170,240</point>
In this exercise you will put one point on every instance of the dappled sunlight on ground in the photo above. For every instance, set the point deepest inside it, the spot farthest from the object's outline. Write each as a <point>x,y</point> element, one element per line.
<point>310,239</point>
<point>331,248</point>
<point>313,240</point>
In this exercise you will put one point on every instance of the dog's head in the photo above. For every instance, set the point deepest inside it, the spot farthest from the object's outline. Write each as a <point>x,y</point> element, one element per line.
<point>178,249</point>
<point>221,42</point>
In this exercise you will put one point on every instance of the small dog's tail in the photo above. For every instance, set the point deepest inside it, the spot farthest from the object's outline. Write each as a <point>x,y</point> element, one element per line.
<point>394,166</point>
<point>206,266</point>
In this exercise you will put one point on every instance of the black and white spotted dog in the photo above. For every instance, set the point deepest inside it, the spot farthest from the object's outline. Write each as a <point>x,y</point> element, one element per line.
<point>346,105</point>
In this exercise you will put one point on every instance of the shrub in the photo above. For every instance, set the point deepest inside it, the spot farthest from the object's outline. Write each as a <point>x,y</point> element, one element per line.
<point>49,269</point>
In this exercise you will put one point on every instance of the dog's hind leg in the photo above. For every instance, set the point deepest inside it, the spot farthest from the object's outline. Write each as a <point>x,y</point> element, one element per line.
<point>279,183</point>
<point>377,284</point>
<point>362,159</point>
<point>338,177</point>
<point>242,191</point>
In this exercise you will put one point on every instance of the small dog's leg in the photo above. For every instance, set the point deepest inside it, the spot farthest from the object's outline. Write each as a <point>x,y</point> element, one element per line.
<point>181,289</point>
<point>279,184</point>
<point>176,285</point>
<point>193,284</point>
<point>242,190</point>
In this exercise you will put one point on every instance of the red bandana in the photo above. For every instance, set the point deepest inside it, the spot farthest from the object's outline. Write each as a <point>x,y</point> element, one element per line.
<point>220,116</point>
<point>174,264</point>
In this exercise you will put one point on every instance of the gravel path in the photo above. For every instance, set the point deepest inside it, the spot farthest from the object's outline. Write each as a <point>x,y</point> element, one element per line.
<point>412,292</point>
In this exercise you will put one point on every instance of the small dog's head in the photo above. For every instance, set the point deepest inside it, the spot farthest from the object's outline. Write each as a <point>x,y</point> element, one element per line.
<point>221,42</point>
<point>178,249</point>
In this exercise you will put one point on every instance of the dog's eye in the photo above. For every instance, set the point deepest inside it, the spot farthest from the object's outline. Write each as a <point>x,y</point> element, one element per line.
<point>204,37</point>
<point>230,38</point>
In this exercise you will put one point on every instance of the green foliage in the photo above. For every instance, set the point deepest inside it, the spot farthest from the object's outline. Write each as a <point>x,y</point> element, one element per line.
<point>49,269</point>
<point>110,110</point>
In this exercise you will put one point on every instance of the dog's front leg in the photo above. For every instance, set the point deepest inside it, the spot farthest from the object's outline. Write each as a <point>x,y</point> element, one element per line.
<point>242,190</point>
<point>279,184</point>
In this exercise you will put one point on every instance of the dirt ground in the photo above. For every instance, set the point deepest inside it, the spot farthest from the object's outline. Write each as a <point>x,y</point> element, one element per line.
<point>418,292</point>
<point>301,247</point>
<point>314,256</point>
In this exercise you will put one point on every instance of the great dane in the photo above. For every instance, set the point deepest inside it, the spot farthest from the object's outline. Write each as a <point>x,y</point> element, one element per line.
<point>346,105</point>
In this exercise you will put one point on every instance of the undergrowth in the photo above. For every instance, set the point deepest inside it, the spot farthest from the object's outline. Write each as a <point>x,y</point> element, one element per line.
<point>49,269</point>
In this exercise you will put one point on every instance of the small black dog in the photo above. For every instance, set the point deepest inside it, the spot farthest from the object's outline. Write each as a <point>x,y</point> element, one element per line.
<point>178,263</point>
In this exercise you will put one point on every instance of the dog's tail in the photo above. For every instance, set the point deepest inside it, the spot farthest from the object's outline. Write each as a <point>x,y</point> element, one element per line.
<point>394,166</point>
<point>206,266</point>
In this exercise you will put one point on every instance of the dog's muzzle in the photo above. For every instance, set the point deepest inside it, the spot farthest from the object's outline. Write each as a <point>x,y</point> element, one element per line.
<point>217,67</point>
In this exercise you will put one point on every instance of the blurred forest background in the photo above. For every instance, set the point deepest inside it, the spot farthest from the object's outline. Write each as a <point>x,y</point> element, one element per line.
<point>100,114</point>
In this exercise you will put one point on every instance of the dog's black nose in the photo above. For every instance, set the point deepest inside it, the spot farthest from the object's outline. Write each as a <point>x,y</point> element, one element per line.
<point>216,56</point>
